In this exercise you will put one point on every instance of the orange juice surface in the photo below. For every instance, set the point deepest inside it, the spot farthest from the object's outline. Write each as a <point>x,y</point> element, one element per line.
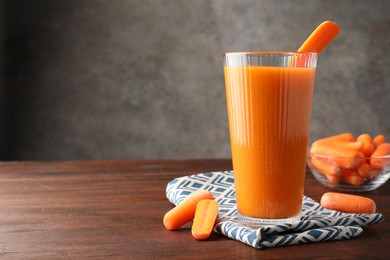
<point>269,112</point>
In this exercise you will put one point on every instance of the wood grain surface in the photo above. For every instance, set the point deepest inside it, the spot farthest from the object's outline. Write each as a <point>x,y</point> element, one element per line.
<point>114,209</point>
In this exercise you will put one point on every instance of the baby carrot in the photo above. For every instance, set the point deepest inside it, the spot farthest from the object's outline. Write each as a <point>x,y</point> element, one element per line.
<point>378,162</point>
<point>343,157</point>
<point>345,137</point>
<point>368,146</point>
<point>347,144</point>
<point>320,38</point>
<point>333,179</point>
<point>364,170</point>
<point>347,203</point>
<point>378,140</point>
<point>185,211</point>
<point>205,216</point>
<point>352,177</point>
<point>325,167</point>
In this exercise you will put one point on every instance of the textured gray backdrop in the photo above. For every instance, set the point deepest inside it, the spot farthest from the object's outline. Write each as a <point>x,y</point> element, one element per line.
<point>143,79</point>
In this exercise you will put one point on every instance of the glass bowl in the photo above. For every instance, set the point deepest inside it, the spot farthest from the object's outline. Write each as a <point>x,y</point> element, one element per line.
<point>326,169</point>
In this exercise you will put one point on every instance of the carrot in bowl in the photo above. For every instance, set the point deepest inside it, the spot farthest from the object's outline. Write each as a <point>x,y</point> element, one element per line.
<point>205,216</point>
<point>184,212</point>
<point>368,146</point>
<point>344,137</point>
<point>378,140</point>
<point>333,180</point>
<point>376,161</point>
<point>325,167</point>
<point>348,144</point>
<point>347,203</point>
<point>364,170</point>
<point>343,157</point>
<point>352,177</point>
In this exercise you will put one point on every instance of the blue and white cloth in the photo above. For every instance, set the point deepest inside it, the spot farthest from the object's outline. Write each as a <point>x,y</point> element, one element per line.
<point>317,224</point>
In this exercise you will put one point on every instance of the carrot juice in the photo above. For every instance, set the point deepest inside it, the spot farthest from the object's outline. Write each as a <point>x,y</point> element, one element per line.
<point>269,99</point>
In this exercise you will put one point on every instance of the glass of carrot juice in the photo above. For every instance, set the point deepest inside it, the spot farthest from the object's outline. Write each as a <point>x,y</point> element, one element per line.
<point>269,100</point>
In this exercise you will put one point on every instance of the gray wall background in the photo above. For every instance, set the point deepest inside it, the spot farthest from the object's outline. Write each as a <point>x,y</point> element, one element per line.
<point>143,79</point>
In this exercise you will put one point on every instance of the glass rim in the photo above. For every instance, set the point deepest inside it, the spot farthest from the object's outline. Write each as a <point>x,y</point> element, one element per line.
<point>278,59</point>
<point>267,53</point>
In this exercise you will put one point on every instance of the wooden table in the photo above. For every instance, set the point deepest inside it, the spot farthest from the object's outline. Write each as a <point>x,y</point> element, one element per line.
<point>114,209</point>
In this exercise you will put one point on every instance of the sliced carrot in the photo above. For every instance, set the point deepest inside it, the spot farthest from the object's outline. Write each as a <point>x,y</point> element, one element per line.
<point>347,203</point>
<point>343,157</point>
<point>325,167</point>
<point>320,38</point>
<point>205,216</point>
<point>376,161</point>
<point>378,140</point>
<point>368,146</point>
<point>352,177</point>
<point>364,170</point>
<point>347,144</point>
<point>184,212</point>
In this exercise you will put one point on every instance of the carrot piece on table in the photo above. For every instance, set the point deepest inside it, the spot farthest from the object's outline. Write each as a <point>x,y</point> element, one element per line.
<point>347,144</point>
<point>184,212</point>
<point>320,38</point>
<point>378,140</point>
<point>343,157</point>
<point>364,170</point>
<point>368,146</point>
<point>344,137</point>
<point>352,177</point>
<point>382,150</point>
<point>325,167</point>
<point>205,216</point>
<point>347,203</point>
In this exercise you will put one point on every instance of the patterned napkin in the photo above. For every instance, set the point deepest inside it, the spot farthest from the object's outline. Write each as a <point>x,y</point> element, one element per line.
<point>317,224</point>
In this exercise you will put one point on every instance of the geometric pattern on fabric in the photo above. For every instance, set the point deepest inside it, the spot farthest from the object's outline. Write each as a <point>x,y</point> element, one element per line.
<point>317,223</point>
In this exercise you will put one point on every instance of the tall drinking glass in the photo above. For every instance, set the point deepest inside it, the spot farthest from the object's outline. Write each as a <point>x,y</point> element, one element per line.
<point>269,100</point>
